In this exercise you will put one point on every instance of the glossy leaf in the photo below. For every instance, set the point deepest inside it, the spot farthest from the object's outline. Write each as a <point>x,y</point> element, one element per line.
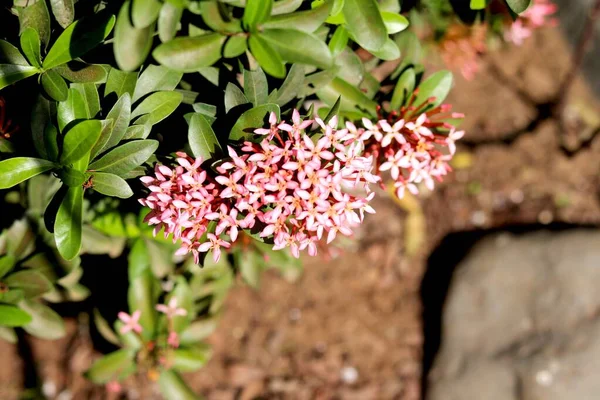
<point>30,44</point>
<point>297,46</point>
<point>350,67</point>
<point>235,46</point>
<point>202,138</point>
<point>438,85</point>
<point>266,56</point>
<point>144,12</point>
<point>285,6</point>
<point>10,73</point>
<point>13,316</point>
<point>394,22</point>
<point>67,227</point>
<point>64,11</point>
<point>54,85</point>
<point>132,45</point>
<point>18,169</point>
<point>351,96</point>
<point>124,158</point>
<point>256,12</point>
<point>142,296</point>
<point>256,88</point>
<point>338,41</point>
<point>234,97</point>
<point>80,72</point>
<point>518,6</point>
<point>389,51</point>
<point>173,387</point>
<point>120,82</point>
<point>72,109</point>
<point>291,86</point>
<point>89,95</point>
<point>188,54</point>
<point>36,16</point>
<point>111,185</point>
<point>32,283</point>
<point>168,21</point>
<point>45,322</point>
<point>112,366</point>
<point>212,17</point>
<point>365,24</point>
<point>307,21</point>
<point>71,176</point>
<point>189,360</point>
<point>251,120</point>
<point>137,132</point>
<point>9,54</point>
<point>120,115</point>
<point>157,106</point>
<point>79,38</point>
<point>155,78</point>
<point>79,140</point>
<point>404,88</point>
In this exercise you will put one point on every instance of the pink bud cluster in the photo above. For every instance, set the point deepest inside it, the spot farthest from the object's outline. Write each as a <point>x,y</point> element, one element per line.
<point>536,16</point>
<point>290,187</point>
<point>414,143</point>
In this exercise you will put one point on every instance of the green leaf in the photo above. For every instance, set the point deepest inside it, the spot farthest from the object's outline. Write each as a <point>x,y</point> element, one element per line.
<point>233,97</point>
<point>251,120</point>
<point>338,41</point>
<point>120,115</point>
<point>79,38</point>
<point>297,46</point>
<point>189,360</point>
<point>202,138</point>
<point>351,96</point>
<point>250,265</point>
<point>168,21</point>
<point>212,17</point>
<point>105,329</point>
<point>112,366</point>
<point>7,263</point>
<point>55,86</point>
<point>394,22</point>
<point>111,185</point>
<point>307,21</point>
<point>32,283</point>
<point>30,43</point>
<point>13,316</point>
<point>137,132</point>
<point>350,67</point>
<point>8,334</point>
<point>144,12</point>
<point>18,169</point>
<point>79,140</point>
<point>197,331</point>
<point>10,73</point>
<point>334,110</point>
<point>256,88</point>
<point>67,227</point>
<point>71,177</point>
<point>36,16</point>
<point>40,117</point>
<point>45,323</point>
<point>518,6</point>
<point>158,106</point>
<point>9,54</point>
<point>142,296</point>
<point>235,46</point>
<point>89,95</point>
<point>365,24</point>
<point>72,109</point>
<point>404,88</point>
<point>410,47</point>
<point>132,45</point>
<point>188,54</point>
<point>6,146</point>
<point>256,12</point>
<point>173,387</point>
<point>80,72</point>
<point>285,6</point>
<point>185,299</point>
<point>478,4</point>
<point>266,56</point>
<point>389,51</point>
<point>155,78</point>
<point>64,11</point>
<point>291,86</point>
<point>120,82</point>
<point>124,158</point>
<point>438,85</point>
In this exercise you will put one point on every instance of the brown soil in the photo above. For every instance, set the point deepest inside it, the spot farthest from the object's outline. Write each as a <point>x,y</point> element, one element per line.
<point>362,311</point>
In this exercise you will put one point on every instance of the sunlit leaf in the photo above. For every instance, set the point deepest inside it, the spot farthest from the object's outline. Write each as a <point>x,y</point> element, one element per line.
<point>18,169</point>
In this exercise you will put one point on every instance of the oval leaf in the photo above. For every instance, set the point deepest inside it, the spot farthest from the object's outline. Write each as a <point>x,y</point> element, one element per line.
<point>256,88</point>
<point>132,45</point>
<point>142,296</point>
<point>173,387</point>
<point>158,106</point>
<point>45,322</point>
<point>297,46</point>
<point>251,120</point>
<point>168,20</point>
<point>155,78</point>
<point>120,115</point>
<point>189,360</point>
<point>518,6</point>
<point>30,44</point>
<point>389,51</point>
<point>120,82</point>
<point>80,72</point>
<point>438,85</point>
<point>266,56</point>
<point>202,138</point>
<point>32,283</point>
<point>126,157</point>
<point>64,11</point>
<point>72,109</point>
<point>404,88</point>
<point>233,97</point>
<point>112,366</point>
<point>307,21</point>
<point>394,22</point>
<point>9,54</point>
<point>235,46</point>
<point>188,54</point>
<point>36,16</point>
<point>10,73</point>
<point>364,22</point>
<point>256,11</point>
<point>18,169</point>
<point>13,316</point>
<point>144,12</point>
<point>67,227</point>
<point>55,86</point>
<point>79,140</point>
<point>111,185</point>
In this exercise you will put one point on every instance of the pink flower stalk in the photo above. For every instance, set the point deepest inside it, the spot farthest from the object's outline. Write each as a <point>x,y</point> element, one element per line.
<point>410,143</point>
<point>130,321</point>
<point>173,340</point>
<point>289,187</point>
<point>113,387</point>
<point>536,16</point>
<point>171,309</point>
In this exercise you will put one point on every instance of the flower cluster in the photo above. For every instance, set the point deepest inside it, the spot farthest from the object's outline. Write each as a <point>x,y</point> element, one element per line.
<point>462,47</point>
<point>410,142</point>
<point>536,16</point>
<point>291,188</point>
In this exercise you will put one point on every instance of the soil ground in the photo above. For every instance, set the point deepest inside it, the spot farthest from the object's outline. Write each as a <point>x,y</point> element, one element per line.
<point>351,328</point>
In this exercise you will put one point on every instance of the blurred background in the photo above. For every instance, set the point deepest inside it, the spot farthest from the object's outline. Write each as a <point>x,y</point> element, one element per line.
<point>485,288</point>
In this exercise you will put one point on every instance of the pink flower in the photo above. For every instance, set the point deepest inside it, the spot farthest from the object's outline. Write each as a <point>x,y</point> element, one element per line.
<point>130,321</point>
<point>173,340</point>
<point>171,309</point>
<point>113,387</point>
<point>536,16</point>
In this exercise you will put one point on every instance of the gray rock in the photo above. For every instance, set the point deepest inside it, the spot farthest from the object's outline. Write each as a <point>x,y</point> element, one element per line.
<point>521,320</point>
